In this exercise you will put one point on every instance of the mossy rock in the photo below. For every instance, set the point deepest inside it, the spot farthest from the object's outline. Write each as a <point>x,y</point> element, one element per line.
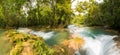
<point>25,44</point>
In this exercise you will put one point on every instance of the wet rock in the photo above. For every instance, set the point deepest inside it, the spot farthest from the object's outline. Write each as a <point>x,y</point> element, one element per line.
<point>117,40</point>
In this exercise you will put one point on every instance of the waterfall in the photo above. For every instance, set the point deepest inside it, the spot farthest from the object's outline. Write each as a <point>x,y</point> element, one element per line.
<point>101,44</point>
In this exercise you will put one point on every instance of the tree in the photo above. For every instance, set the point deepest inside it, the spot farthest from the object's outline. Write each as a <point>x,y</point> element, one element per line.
<point>52,13</point>
<point>86,12</point>
<point>12,11</point>
<point>105,14</point>
<point>2,20</point>
<point>47,13</point>
<point>110,9</point>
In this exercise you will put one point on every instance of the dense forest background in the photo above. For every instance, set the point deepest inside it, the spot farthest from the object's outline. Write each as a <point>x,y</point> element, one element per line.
<point>58,13</point>
<point>24,13</point>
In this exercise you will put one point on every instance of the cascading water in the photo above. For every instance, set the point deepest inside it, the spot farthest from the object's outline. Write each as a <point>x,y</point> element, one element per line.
<point>99,43</point>
<point>45,36</point>
<point>52,37</point>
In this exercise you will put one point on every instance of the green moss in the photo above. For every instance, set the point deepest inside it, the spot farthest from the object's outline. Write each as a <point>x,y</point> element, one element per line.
<point>21,42</point>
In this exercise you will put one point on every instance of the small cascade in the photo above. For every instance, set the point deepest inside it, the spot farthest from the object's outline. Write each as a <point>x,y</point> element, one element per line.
<point>96,41</point>
<point>44,35</point>
<point>24,30</point>
<point>95,44</point>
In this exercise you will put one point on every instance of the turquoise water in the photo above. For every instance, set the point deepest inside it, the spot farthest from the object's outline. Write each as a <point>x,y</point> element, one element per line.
<point>52,37</point>
<point>94,32</point>
<point>97,41</point>
<point>57,37</point>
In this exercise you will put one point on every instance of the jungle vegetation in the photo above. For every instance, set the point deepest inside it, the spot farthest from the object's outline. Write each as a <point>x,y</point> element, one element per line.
<point>58,13</point>
<point>25,13</point>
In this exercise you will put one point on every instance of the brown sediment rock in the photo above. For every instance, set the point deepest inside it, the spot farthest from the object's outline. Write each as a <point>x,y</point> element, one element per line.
<point>75,43</point>
<point>117,40</point>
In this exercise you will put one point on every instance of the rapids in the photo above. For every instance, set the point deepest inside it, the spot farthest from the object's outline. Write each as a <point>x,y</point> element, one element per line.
<point>97,40</point>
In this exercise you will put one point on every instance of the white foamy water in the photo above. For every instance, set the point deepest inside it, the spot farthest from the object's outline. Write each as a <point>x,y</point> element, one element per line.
<point>44,35</point>
<point>24,30</point>
<point>102,44</point>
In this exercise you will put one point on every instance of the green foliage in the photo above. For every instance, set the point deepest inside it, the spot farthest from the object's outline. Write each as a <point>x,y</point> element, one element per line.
<point>105,14</point>
<point>2,20</point>
<point>22,13</point>
<point>111,11</point>
<point>41,48</point>
<point>57,13</point>
<point>83,8</point>
<point>63,11</point>
<point>94,16</point>
<point>100,14</point>
<point>11,12</point>
<point>78,19</point>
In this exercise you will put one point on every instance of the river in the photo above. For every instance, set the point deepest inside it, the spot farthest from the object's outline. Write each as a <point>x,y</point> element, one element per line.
<point>97,40</point>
